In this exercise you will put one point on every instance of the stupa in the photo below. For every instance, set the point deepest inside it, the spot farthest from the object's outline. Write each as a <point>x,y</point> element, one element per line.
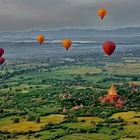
<point>112,97</point>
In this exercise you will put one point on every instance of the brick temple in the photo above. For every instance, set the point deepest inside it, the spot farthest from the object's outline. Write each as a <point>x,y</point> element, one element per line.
<point>113,98</point>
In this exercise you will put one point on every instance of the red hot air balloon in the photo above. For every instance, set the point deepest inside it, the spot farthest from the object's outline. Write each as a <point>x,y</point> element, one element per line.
<point>109,47</point>
<point>2,60</point>
<point>1,51</point>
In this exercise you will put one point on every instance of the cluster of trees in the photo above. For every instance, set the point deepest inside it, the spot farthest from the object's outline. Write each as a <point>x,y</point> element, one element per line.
<point>23,104</point>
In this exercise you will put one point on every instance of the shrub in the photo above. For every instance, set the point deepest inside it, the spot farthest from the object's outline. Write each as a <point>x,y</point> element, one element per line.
<point>135,122</point>
<point>112,120</point>
<point>92,122</point>
<point>37,135</point>
<point>83,120</point>
<point>31,118</point>
<point>119,117</point>
<point>123,123</point>
<point>50,124</point>
<point>15,120</point>
<point>120,128</point>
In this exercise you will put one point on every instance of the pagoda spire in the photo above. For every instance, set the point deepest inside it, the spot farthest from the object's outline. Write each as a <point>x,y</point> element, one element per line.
<point>112,91</point>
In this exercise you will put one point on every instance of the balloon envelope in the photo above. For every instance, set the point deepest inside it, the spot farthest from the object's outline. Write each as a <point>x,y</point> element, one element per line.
<point>109,47</point>
<point>102,12</point>
<point>67,43</point>
<point>40,39</point>
<point>2,60</point>
<point>1,51</point>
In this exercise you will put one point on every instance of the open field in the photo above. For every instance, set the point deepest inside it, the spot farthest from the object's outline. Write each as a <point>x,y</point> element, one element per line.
<point>87,137</point>
<point>24,125</point>
<point>124,69</point>
<point>35,94</point>
<point>129,129</point>
<point>42,79</point>
<point>80,70</point>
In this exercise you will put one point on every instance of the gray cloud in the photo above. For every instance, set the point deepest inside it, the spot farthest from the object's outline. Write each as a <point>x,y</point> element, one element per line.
<point>44,14</point>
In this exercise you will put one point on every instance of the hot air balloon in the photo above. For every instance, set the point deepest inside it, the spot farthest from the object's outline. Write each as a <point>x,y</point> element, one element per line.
<point>40,39</point>
<point>109,47</point>
<point>102,13</point>
<point>1,51</point>
<point>67,43</point>
<point>2,60</point>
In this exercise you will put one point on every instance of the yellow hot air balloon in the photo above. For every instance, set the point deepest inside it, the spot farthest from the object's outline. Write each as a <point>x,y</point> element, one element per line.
<point>67,43</point>
<point>40,39</point>
<point>102,12</point>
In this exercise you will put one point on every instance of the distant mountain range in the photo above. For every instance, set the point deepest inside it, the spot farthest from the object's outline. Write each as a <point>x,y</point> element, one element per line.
<point>72,33</point>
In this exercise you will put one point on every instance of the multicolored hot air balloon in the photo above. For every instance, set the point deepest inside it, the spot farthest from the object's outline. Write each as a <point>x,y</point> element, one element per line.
<point>102,13</point>
<point>40,39</point>
<point>67,43</point>
<point>2,60</point>
<point>109,47</point>
<point>1,51</point>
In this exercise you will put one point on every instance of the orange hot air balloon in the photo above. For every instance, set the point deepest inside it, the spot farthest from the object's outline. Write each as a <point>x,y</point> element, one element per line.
<point>109,47</point>
<point>40,39</point>
<point>102,13</point>
<point>67,43</point>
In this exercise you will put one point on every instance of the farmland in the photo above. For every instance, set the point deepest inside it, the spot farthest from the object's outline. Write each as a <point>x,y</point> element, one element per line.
<point>34,95</point>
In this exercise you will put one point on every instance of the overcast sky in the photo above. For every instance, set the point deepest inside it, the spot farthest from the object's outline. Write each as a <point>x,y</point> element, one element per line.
<point>48,14</point>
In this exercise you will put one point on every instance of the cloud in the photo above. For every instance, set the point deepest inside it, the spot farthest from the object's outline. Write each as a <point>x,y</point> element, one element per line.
<point>81,2</point>
<point>44,14</point>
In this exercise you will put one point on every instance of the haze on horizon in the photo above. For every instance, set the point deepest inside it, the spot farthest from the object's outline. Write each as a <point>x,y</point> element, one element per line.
<point>50,14</point>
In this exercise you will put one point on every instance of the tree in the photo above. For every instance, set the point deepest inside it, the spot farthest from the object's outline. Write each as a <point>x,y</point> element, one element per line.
<point>16,120</point>
<point>37,120</point>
